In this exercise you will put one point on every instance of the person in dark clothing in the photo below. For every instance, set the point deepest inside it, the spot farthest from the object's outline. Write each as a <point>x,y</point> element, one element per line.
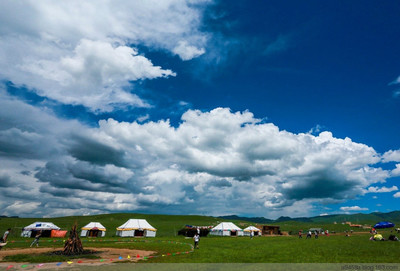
<point>3,239</point>
<point>5,236</point>
<point>37,237</point>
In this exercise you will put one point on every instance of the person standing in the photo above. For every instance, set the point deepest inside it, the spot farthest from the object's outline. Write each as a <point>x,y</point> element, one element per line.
<point>37,237</point>
<point>300,234</point>
<point>251,234</point>
<point>3,239</point>
<point>316,234</point>
<point>5,236</point>
<point>196,239</point>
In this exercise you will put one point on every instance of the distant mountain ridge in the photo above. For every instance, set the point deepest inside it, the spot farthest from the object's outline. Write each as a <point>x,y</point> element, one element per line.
<point>358,218</point>
<point>261,220</point>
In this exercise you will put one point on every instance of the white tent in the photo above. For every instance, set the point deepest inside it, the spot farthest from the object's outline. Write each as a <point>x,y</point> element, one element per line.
<point>45,227</point>
<point>93,229</point>
<point>136,227</point>
<point>226,229</point>
<point>253,229</point>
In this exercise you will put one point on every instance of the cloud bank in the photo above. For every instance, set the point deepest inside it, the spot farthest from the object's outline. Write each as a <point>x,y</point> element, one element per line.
<point>215,162</point>
<point>85,52</point>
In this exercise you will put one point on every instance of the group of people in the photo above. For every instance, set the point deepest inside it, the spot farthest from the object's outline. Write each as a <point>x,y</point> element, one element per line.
<point>309,234</point>
<point>378,237</point>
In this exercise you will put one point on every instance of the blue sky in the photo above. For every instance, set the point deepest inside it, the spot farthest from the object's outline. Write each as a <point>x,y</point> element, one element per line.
<point>254,108</point>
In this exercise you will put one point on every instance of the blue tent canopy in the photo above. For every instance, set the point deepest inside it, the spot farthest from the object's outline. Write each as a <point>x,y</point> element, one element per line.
<point>383,224</point>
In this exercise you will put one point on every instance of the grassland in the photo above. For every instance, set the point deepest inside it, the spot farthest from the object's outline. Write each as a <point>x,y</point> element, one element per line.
<point>336,248</point>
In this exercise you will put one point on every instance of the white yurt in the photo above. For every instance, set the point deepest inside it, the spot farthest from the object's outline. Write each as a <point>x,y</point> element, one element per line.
<point>253,229</point>
<point>45,227</point>
<point>226,229</point>
<point>93,229</point>
<point>136,228</point>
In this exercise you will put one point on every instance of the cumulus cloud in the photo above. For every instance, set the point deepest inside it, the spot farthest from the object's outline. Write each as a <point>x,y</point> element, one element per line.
<point>94,76</point>
<point>375,189</point>
<point>353,208</point>
<point>230,160</point>
<point>391,156</point>
<point>396,172</point>
<point>83,52</point>
<point>397,195</point>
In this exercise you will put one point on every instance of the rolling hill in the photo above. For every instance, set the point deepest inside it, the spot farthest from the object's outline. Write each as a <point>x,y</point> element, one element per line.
<point>359,218</point>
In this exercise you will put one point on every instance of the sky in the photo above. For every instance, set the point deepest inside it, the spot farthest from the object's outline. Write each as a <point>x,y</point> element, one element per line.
<point>252,108</point>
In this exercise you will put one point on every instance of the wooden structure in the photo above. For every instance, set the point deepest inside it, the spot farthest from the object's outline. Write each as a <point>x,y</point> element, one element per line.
<point>73,246</point>
<point>269,230</point>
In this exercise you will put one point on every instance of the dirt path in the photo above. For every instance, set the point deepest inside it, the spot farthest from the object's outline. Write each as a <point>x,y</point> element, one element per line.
<point>109,255</point>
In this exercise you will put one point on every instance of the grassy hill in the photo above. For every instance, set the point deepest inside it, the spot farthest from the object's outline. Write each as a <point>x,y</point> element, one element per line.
<point>169,225</point>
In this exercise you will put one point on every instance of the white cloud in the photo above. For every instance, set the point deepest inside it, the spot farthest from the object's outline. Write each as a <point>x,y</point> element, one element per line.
<point>186,51</point>
<point>21,208</point>
<point>395,172</point>
<point>79,52</point>
<point>397,195</point>
<point>353,208</point>
<point>376,189</point>
<point>234,145</point>
<point>391,156</point>
<point>94,76</point>
<point>231,159</point>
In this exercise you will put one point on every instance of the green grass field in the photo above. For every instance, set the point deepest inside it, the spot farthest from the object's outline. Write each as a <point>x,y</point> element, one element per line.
<point>278,249</point>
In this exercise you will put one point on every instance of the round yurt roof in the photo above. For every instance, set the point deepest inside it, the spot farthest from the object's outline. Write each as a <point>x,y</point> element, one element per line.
<point>41,226</point>
<point>226,226</point>
<point>251,228</point>
<point>94,226</point>
<point>136,224</point>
